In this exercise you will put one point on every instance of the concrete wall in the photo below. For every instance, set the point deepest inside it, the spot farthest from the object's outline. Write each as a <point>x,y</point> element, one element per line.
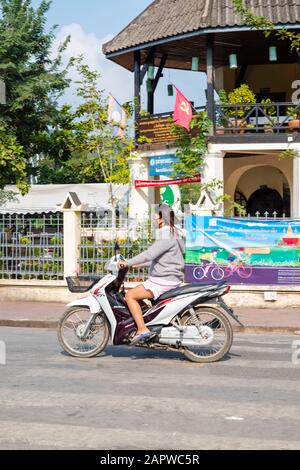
<point>277,77</point>
<point>248,173</point>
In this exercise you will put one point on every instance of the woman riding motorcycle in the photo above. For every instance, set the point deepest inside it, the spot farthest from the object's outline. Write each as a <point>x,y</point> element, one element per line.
<point>165,258</point>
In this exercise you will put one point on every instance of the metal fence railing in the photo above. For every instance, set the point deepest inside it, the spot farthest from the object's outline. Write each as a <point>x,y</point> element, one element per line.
<point>94,258</point>
<point>36,257</point>
<point>94,220</point>
<point>95,252</point>
<point>31,248</point>
<point>26,223</point>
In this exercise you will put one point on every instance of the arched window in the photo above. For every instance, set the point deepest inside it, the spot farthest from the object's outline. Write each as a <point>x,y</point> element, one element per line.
<point>240,199</point>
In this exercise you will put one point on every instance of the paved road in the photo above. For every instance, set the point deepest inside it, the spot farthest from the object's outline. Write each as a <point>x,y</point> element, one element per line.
<point>41,314</point>
<point>132,398</point>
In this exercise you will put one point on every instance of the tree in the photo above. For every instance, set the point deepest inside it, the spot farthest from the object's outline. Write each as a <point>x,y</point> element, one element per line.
<point>93,134</point>
<point>34,80</point>
<point>192,146</point>
<point>12,163</point>
<point>96,154</point>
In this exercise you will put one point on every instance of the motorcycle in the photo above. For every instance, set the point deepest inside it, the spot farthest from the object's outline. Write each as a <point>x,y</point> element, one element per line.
<point>190,319</point>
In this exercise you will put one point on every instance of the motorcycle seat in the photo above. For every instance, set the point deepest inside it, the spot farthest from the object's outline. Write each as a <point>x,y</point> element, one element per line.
<point>189,289</point>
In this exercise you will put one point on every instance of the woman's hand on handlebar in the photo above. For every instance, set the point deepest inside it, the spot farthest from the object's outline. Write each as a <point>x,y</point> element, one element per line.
<point>122,264</point>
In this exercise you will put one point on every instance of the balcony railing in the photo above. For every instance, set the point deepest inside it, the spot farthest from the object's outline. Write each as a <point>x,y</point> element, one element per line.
<point>255,118</point>
<point>244,119</point>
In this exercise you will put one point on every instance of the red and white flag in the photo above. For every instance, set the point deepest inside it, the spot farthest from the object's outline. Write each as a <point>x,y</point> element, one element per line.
<point>183,111</point>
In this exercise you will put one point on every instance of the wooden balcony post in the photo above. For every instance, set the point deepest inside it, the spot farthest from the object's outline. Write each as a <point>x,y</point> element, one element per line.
<point>137,91</point>
<point>210,75</point>
<point>150,94</point>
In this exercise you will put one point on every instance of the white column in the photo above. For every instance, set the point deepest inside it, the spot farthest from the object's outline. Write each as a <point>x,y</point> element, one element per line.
<point>214,170</point>
<point>140,199</point>
<point>295,199</point>
<point>72,238</point>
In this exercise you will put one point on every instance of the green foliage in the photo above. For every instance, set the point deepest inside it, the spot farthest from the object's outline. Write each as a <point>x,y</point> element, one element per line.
<point>7,196</point>
<point>294,111</point>
<point>241,95</point>
<point>12,162</point>
<point>232,207</point>
<point>288,153</point>
<point>190,193</point>
<point>260,22</point>
<point>24,241</point>
<point>34,81</point>
<point>269,110</point>
<point>191,150</point>
<point>222,117</point>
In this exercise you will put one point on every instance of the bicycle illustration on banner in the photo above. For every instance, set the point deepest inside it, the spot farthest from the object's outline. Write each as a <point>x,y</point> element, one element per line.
<point>218,272</point>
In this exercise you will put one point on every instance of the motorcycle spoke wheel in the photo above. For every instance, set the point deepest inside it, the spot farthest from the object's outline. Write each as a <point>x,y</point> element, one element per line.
<point>222,339</point>
<point>72,325</point>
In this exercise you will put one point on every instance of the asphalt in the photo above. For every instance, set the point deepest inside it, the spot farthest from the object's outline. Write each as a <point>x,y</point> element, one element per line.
<point>46,315</point>
<point>132,398</point>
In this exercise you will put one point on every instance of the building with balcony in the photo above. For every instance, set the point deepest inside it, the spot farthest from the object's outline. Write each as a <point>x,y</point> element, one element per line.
<point>247,139</point>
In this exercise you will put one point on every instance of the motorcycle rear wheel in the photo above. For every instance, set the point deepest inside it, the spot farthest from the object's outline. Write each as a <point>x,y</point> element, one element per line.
<point>72,320</point>
<point>209,353</point>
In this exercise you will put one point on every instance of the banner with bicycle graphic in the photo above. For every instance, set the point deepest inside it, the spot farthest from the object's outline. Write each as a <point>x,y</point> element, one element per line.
<point>242,251</point>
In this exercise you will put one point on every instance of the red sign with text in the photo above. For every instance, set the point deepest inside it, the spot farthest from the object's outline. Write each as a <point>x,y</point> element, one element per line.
<point>172,182</point>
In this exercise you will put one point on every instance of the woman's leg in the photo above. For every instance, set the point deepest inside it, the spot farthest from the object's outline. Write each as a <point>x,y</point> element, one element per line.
<point>132,297</point>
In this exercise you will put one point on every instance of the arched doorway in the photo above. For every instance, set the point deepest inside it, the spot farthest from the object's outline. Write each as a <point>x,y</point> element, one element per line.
<point>265,190</point>
<point>265,200</point>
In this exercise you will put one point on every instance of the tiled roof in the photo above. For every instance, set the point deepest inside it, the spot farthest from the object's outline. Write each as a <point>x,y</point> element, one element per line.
<point>169,18</point>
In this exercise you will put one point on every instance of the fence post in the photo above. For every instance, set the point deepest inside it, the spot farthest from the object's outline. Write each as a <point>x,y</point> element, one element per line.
<point>72,208</point>
<point>140,200</point>
<point>214,170</point>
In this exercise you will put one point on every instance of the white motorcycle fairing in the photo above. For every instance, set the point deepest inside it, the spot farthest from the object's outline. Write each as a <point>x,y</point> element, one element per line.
<point>97,302</point>
<point>172,308</point>
<point>183,335</point>
<point>89,302</point>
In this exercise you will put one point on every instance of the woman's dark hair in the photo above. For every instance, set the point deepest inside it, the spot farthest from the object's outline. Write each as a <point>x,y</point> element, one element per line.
<point>167,214</point>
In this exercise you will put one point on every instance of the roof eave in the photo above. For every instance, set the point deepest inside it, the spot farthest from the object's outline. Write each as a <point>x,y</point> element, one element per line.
<point>189,34</point>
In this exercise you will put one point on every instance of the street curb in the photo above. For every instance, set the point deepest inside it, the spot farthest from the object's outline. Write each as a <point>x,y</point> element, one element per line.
<point>52,324</point>
<point>29,323</point>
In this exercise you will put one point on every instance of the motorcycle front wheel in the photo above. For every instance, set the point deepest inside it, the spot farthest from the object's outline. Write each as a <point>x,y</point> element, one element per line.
<point>222,334</point>
<point>70,329</point>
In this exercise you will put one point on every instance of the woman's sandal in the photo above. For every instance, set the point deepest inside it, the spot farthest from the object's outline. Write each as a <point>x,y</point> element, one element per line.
<point>142,337</point>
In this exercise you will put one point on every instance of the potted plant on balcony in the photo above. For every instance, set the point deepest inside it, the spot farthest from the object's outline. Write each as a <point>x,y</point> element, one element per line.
<point>294,122</point>
<point>240,96</point>
<point>270,112</point>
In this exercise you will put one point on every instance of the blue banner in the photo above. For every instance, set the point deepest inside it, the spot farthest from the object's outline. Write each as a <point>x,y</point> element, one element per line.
<point>162,165</point>
<point>242,251</point>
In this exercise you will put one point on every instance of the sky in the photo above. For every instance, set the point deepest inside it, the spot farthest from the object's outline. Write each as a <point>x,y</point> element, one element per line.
<point>91,23</point>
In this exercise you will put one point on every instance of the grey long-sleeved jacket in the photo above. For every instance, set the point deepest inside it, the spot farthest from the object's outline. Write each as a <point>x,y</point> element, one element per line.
<point>165,256</point>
